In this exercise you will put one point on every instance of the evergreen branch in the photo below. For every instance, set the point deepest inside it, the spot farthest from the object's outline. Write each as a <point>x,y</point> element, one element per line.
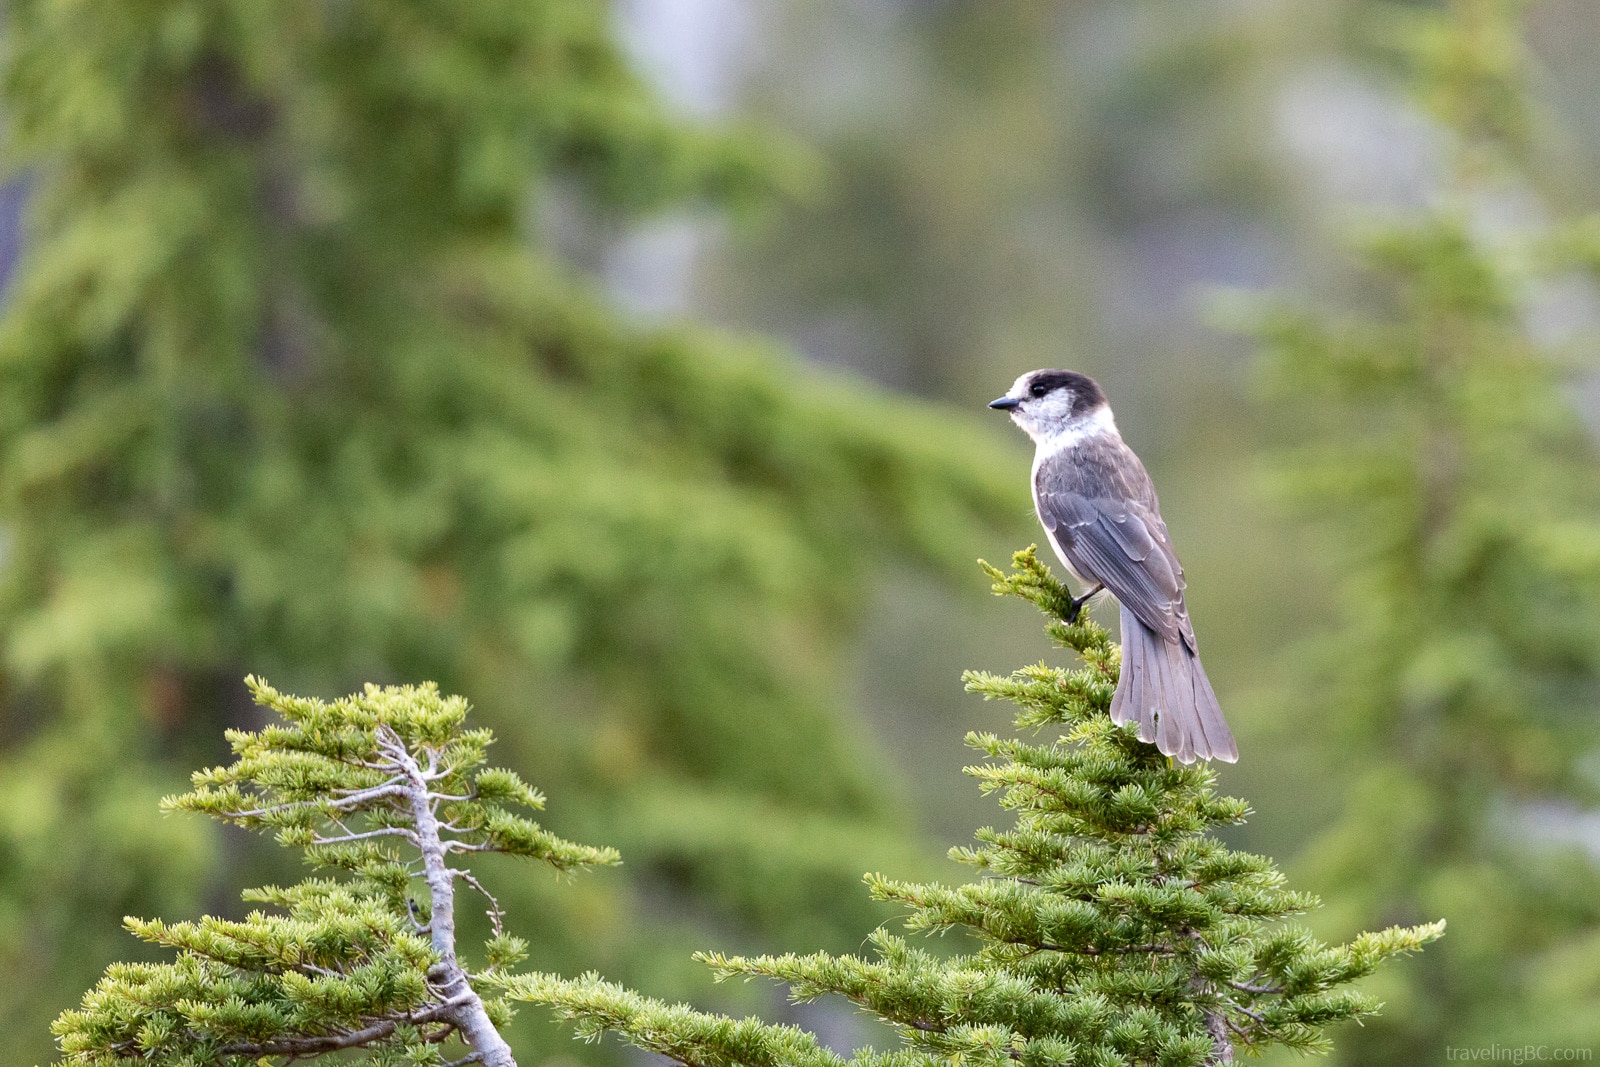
<point>1246,987</point>
<point>320,1045</point>
<point>394,782</point>
<point>352,800</point>
<point>689,1037</point>
<point>389,831</point>
<point>495,913</point>
<point>1031,580</point>
<point>1155,949</point>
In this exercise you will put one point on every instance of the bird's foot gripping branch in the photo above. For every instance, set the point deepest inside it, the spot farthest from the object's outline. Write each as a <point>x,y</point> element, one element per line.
<point>1106,926</point>
<point>388,787</point>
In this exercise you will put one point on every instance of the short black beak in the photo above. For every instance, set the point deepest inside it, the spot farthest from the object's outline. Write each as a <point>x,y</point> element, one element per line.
<point>1005,403</point>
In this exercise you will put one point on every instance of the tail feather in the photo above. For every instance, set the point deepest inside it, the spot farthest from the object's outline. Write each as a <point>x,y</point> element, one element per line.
<point>1165,690</point>
<point>1172,732</point>
<point>1137,698</point>
<point>1212,723</point>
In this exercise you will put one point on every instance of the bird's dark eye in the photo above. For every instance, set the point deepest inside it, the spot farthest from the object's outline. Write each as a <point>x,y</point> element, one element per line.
<point>1037,390</point>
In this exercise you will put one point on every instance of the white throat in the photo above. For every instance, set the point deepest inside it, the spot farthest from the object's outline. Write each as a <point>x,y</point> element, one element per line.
<point>1071,434</point>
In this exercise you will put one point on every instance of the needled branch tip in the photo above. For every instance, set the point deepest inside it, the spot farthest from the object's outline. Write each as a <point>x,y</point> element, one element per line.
<point>1032,580</point>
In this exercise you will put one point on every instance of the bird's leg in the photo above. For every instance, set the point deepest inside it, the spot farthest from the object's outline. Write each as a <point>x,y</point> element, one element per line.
<point>1079,602</point>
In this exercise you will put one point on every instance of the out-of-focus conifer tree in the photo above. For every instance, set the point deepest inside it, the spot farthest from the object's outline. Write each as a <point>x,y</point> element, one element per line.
<point>1008,184</point>
<point>1454,700</point>
<point>289,383</point>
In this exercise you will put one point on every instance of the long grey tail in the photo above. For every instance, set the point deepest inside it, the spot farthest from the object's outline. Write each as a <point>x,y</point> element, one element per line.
<point>1165,690</point>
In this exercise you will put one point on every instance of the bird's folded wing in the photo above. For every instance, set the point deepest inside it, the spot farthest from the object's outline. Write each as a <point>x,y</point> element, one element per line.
<point>1124,545</point>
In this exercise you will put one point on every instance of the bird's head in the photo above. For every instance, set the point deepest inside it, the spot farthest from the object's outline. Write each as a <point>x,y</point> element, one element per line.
<point>1047,403</point>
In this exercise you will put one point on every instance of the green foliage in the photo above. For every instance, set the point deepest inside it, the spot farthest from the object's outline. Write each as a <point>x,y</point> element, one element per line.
<point>368,785</point>
<point>292,380</point>
<point>332,761</point>
<point>1110,927</point>
<point>1437,448</point>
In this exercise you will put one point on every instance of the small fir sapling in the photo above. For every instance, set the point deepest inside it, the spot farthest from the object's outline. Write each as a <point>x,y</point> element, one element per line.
<point>387,787</point>
<point>1107,926</point>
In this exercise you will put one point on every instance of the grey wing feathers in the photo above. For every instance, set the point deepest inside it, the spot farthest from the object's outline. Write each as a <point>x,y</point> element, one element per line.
<point>1125,547</point>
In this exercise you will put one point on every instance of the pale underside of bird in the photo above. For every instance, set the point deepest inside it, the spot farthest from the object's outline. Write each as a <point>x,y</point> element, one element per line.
<point>1100,513</point>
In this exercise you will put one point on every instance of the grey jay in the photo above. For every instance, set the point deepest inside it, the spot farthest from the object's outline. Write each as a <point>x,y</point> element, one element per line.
<point>1101,515</point>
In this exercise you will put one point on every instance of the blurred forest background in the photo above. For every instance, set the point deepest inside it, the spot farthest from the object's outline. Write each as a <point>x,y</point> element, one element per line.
<point>623,368</point>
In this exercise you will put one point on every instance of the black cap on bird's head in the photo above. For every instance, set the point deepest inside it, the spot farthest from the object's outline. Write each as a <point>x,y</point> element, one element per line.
<point>1047,403</point>
<point>1052,394</point>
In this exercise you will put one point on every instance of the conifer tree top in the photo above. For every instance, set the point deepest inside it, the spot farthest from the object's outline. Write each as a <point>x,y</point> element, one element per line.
<point>386,785</point>
<point>1107,926</point>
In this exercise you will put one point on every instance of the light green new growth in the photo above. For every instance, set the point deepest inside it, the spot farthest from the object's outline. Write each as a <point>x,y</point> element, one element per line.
<point>1108,927</point>
<point>386,786</point>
